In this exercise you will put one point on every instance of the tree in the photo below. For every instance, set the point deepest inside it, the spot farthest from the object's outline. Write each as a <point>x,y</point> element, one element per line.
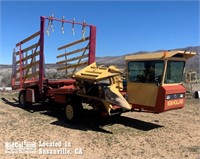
<point>6,79</point>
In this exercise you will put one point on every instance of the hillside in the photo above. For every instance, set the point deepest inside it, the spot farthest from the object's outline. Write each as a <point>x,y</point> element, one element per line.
<point>192,64</point>
<point>119,60</point>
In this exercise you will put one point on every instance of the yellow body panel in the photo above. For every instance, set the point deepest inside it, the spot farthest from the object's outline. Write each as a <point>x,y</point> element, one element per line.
<point>111,95</point>
<point>142,94</point>
<point>96,73</point>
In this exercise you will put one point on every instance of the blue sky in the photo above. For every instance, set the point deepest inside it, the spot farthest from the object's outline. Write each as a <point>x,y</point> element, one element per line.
<point>122,27</point>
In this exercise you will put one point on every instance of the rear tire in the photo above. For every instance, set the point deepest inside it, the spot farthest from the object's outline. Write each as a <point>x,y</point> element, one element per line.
<point>22,99</point>
<point>73,112</point>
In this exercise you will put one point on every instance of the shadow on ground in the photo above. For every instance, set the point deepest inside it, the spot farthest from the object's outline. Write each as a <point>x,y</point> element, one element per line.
<point>90,121</point>
<point>13,103</point>
<point>95,123</point>
<point>31,108</point>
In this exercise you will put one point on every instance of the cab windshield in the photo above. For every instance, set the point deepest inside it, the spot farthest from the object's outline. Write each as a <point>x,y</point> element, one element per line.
<point>174,73</point>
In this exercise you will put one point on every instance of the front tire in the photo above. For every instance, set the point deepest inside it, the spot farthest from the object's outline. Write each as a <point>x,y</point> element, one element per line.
<point>73,112</point>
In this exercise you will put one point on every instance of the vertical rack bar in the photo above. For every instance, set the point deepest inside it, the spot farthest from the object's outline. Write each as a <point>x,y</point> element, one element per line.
<point>41,56</point>
<point>26,60</point>
<point>23,63</point>
<point>34,67</point>
<point>92,44</point>
<point>20,60</point>
<point>66,62</point>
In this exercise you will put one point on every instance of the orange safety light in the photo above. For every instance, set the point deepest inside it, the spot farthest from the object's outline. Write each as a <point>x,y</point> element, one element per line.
<point>165,53</point>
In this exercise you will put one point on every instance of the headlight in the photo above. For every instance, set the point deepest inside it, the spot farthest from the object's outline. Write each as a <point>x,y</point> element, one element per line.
<point>175,96</point>
<point>168,97</point>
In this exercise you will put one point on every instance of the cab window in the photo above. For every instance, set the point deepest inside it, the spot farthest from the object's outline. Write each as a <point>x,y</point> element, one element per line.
<point>145,71</point>
<point>174,73</point>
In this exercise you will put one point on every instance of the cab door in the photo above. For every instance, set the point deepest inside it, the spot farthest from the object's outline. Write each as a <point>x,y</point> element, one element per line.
<point>143,82</point>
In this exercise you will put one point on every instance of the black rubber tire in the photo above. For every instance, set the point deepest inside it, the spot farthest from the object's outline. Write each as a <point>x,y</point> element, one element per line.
<point>73,112</point>
<point>22,99</point>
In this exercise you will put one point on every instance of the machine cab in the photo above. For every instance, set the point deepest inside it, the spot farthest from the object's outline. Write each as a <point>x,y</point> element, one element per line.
<point>154,80</point>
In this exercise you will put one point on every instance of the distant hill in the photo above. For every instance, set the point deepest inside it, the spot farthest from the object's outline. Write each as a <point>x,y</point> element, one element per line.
<point>5,66</point>
<point>115,60</point>
<point>192,64</point>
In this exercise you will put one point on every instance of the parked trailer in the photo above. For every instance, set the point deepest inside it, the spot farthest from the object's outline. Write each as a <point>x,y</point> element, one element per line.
<point>153,80</point>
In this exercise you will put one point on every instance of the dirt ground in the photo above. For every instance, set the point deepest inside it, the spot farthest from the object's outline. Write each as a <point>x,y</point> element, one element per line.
<point>134,135</point>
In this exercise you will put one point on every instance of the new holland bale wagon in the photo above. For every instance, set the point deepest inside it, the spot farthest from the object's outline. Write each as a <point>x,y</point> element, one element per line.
<point>153,80</point>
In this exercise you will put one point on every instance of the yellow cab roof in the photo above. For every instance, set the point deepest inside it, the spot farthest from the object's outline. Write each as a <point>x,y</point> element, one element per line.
<point>161,55</point>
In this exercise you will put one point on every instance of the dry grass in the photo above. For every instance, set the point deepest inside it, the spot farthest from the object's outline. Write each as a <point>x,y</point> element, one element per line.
<point>174,134</point>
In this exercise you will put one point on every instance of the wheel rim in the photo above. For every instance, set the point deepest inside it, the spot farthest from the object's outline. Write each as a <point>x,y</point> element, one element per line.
<point>22,98</point>
<point>69,112</point>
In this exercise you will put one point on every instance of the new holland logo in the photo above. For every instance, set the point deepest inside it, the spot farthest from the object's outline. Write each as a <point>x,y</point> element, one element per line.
<point>175,102</point>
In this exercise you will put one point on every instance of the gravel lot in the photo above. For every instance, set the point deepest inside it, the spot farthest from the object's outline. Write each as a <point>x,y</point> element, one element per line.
<point>134,135</point>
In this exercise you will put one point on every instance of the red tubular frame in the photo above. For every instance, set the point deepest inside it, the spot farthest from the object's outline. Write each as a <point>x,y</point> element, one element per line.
<point>91,58</point>
<point>68,21</point>
<point>41,62</point>
<point>20,58</point>
<point>92,44</point>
